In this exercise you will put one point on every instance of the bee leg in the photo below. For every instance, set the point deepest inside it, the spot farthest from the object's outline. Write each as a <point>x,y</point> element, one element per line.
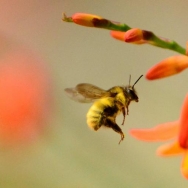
<point>128,107</point>
<point>122,137</point>
<point>111,124</point>
<point>124,114</point>
<point>127,110</point>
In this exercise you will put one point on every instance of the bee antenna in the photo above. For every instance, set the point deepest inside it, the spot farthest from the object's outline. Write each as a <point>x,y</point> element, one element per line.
<point>129,80</point>
<point>137,81</point>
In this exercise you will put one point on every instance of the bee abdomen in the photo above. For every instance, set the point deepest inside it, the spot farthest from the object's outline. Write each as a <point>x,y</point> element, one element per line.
<point>94,117</point>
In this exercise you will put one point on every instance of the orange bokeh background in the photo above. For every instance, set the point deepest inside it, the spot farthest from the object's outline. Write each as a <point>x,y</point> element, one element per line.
<point>24,96</point>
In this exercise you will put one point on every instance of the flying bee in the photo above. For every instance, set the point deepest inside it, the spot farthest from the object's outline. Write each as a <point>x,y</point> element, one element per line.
<point>107,103</point>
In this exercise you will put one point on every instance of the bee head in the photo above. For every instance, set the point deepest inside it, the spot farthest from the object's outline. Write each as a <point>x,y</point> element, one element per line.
<point>131,91</point>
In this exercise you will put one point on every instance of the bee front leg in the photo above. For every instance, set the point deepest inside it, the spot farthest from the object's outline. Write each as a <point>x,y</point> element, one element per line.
<point>128,107</point>
<point>111,124</point>
<point>127,110</point>
<point>124,114</point>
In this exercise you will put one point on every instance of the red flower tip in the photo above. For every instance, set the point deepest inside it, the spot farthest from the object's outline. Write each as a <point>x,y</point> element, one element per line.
<point>135,36</point>
<point>168,67</point>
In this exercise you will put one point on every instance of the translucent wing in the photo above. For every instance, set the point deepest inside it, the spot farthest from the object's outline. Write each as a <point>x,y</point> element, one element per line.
<point>86,93</point>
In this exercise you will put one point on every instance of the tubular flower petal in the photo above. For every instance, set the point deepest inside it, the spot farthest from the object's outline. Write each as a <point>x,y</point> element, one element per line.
<point>183,135</point>
<point>85,19</point>
<point>118,35</point>
<point>82,19</point>
<point>168,67</point>
<point>170,149</point>
<point>159,133</point>
<point>184,165</point>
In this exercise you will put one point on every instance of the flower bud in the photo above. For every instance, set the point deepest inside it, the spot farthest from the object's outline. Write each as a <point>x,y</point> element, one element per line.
<point>168,67</point>
<point>85,19</point>
<point>135,36</point>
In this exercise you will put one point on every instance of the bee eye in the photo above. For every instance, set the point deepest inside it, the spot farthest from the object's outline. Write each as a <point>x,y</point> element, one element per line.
<point>132,94</point>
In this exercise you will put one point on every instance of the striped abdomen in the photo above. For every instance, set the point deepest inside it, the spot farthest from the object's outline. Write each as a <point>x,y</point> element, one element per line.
<point>101,110</point>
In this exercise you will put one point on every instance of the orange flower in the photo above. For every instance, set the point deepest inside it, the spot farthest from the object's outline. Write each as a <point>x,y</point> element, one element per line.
<point>168,67</point>
<point>134,36</point>
<point>85,19</point>
<point>183,134</point>
<point>119,35</point>
<point>177,130</point>
<point>82,19</point>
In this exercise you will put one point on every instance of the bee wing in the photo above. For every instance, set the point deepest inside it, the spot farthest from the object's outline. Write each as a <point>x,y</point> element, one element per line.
<point>76,96</point>
<point>86,93</point>
<point>91,91</point>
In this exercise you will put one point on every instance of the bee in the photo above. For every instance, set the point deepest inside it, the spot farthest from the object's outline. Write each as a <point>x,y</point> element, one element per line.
<point>107,103</point>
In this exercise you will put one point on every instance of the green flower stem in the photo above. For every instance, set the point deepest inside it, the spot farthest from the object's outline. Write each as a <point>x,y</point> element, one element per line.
<point>152,39</point>
<point>171,45</point>
<point>148,36</point>
<point>102,23</point>
<point>110,25</point>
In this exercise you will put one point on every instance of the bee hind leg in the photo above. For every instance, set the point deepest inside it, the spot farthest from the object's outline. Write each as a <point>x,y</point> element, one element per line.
<point>111,124</point>
<point>122,137</point>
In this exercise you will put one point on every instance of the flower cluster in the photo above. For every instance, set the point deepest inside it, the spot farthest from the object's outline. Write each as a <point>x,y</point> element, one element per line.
<point>167,67</point>
<point>125,33</point>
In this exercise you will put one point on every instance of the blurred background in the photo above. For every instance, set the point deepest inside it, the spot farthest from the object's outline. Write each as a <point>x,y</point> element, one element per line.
<point>44,138</point>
